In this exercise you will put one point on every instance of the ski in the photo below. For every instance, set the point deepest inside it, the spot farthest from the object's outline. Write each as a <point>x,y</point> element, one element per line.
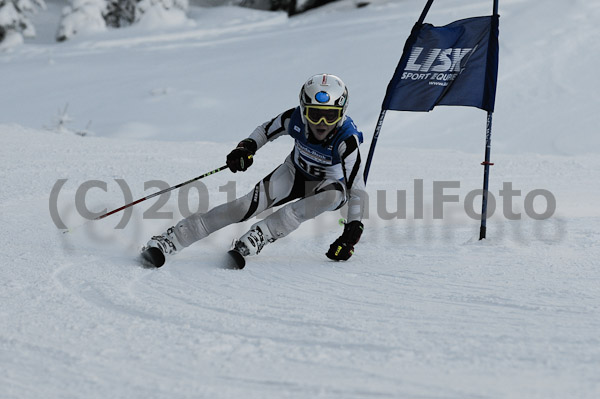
<point>152,257</point>
<point>235,260</point>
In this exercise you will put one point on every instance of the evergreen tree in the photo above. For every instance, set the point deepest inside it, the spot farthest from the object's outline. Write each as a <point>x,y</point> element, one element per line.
<point>291,6</point>
<point>96,15</point>
<point>14,20</point>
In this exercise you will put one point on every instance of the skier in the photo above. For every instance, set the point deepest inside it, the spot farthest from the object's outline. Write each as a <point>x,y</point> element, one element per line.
<point>322,173</point>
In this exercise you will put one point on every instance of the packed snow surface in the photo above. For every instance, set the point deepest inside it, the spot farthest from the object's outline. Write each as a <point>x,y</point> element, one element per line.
<point>422,310</point>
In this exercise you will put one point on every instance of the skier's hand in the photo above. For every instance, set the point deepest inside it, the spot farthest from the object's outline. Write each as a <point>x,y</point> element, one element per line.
<point>241,158</point>
<point>343,247</point>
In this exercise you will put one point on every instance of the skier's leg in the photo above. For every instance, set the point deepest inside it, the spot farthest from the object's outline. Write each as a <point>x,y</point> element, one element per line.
<point>328,195</point>
<point>273,188</point>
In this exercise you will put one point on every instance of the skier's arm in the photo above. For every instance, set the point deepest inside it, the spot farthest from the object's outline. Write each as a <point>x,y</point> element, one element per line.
<point>240,159</point>
<point>272,129</point>
<point>343,247</point>
<point>353,168</point>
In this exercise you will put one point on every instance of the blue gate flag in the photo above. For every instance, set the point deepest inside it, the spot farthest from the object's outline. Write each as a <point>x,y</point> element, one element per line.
<point>455,64</point>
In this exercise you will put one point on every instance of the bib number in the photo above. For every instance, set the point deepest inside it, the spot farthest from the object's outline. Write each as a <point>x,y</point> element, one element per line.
<point>311,169</point>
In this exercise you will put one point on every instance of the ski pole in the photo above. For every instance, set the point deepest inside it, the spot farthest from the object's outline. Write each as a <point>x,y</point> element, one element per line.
<point>212,172</point>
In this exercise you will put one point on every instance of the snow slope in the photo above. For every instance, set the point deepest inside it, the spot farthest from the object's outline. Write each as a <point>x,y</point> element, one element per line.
<point>423,310</point>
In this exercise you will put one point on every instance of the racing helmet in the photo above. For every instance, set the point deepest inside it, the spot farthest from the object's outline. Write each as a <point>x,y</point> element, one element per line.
<point>324,97</point>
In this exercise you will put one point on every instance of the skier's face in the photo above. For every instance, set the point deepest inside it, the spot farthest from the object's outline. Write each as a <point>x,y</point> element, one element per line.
<point>320,130</point>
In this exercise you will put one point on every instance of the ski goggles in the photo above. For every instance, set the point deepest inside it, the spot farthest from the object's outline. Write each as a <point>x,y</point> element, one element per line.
<point>316,114</point>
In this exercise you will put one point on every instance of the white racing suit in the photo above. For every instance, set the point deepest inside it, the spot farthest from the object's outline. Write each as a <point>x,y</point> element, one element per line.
<point>320,176</point>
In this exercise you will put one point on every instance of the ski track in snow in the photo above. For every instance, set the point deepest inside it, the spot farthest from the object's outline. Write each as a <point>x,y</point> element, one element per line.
<point>423,310</point>
<point>420,309</point>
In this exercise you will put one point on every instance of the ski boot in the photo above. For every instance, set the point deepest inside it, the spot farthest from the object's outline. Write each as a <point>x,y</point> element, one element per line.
<point>249,244</point>
<point>155,252</point>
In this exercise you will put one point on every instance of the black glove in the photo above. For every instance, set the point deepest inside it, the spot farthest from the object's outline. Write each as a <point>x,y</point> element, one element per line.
<point>240,159</point>
<point>343,247</point>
